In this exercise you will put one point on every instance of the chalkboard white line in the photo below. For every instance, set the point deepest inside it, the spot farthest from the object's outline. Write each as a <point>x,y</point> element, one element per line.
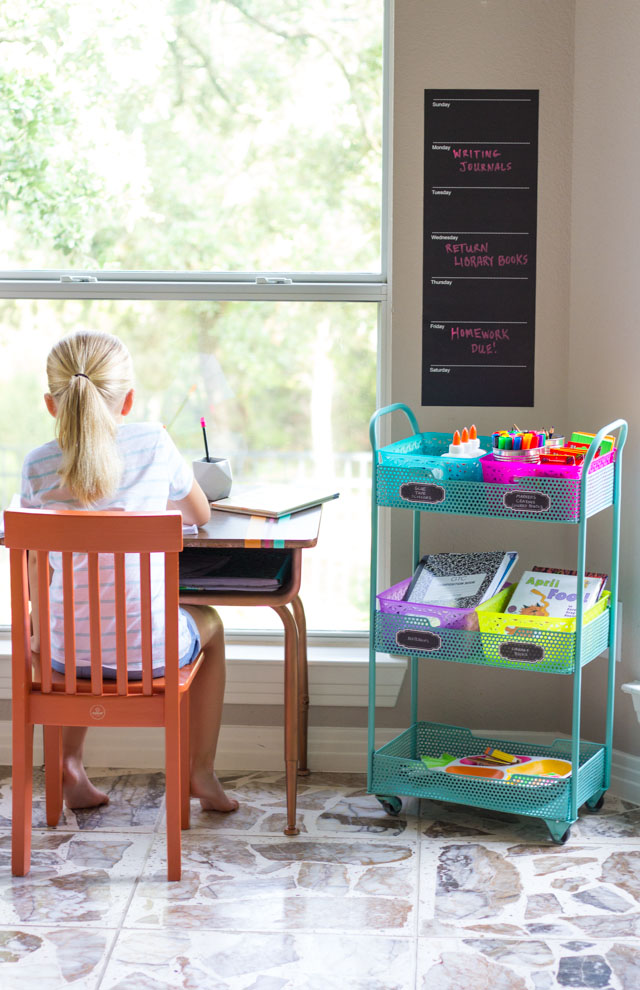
<point>511,323</point>
<point>481,187</point>
<point>485,278</point>
<point>478,366</point>
<point>480,99</point>
<point>464,141</point>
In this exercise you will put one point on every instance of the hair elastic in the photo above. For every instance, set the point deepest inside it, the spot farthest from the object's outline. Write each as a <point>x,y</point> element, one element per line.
<point>80,374</point>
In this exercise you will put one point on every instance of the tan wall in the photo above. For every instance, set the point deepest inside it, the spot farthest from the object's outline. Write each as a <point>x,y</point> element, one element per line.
<point>476,44</point>
<point>605,291</point>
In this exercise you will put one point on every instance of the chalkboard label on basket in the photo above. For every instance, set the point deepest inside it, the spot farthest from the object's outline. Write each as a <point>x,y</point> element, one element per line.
<point>418,639</point>
<point>416,491</point>
<point>523,500</point>
<point>522,652</point>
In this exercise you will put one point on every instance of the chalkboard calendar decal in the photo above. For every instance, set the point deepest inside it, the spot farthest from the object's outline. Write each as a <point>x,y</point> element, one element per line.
<point>479,259</point>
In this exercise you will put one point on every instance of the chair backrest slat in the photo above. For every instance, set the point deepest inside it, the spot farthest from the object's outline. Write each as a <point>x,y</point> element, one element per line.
<point>69,610</point>
<point>45,619</point>
<point>95,632</point>
<point>171,627</point>
<point>145,617</point>
<point>20,626</point>
<point>121,622</point>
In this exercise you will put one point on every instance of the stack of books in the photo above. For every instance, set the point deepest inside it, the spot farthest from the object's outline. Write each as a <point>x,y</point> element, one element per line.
<point>460,580</point>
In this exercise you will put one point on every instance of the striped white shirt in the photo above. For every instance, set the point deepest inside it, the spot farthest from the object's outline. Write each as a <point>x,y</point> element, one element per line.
<point>153,473</point>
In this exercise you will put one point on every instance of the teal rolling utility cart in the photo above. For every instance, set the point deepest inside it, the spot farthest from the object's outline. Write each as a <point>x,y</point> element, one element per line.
<point>411,474</point>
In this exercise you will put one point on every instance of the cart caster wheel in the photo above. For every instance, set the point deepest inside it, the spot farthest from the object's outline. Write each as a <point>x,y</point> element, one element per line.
<point>392,805</point>
<point>597,806</point>
<point>563,838</point>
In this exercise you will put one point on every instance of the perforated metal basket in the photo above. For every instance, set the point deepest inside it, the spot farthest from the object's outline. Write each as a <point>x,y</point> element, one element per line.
<point>398,769</point>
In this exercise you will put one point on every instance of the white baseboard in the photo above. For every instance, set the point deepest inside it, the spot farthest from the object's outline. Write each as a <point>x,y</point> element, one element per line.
<point>240,747</point>
<point>244,747</point>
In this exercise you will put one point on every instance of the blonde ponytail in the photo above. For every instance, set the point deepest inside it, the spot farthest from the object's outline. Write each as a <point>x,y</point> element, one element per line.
<point>89,376</point>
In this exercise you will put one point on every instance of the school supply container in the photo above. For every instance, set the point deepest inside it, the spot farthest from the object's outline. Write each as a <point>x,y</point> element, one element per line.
<point>544,641</point>
<point>438,616</point>
<point>522,643</point>
<point>421,455</point>
<point>502,471</point>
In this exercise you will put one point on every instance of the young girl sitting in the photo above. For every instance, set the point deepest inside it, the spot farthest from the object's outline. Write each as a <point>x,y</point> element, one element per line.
<point>100,462</point>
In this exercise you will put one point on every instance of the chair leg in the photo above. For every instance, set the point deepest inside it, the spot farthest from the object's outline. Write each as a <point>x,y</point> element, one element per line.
<point>185,765</point>
<point>22,797</point>
<point>53,772</point>
<point>173,792</point>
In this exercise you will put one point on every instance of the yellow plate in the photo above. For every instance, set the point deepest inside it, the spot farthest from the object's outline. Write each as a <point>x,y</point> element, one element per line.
<point>539,768</point>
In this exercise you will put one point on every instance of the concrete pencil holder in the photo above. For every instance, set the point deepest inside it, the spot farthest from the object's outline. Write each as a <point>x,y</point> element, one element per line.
<point>213,476</point>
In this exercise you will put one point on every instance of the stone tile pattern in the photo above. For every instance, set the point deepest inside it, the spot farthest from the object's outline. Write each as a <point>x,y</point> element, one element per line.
<point>440,898</point>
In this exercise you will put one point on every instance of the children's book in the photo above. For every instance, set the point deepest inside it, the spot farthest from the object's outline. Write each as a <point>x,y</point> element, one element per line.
<point>460,580</point>
<point>554,593</point>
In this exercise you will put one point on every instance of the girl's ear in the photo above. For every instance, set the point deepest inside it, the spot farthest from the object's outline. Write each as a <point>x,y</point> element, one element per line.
<point>128,402</point>
<point>51,404</point>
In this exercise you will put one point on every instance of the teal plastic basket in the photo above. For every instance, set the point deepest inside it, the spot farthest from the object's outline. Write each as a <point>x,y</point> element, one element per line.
<point>407,486</point>
<point>398,769</point>
<point>421,454</point>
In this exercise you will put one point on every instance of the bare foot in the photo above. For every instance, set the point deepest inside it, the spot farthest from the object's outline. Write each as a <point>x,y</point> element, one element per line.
<point>78,790</point>
<point>206,786</point>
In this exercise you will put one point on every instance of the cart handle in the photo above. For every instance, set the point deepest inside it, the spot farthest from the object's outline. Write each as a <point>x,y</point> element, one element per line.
<point>618,424</point>
<point>396,406</point>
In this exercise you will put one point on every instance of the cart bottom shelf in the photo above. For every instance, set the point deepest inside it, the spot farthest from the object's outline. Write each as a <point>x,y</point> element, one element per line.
<point>397,769</point>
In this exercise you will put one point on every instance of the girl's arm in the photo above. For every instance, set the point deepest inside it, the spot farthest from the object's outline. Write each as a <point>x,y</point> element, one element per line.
<point>195,507</point>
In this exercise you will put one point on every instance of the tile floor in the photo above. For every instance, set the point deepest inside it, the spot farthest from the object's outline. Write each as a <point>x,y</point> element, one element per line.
<point>440,898</point>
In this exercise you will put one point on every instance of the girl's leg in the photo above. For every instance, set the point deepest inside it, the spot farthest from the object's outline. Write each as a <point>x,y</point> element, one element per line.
<point>77,789</point>
<point>206,711</point>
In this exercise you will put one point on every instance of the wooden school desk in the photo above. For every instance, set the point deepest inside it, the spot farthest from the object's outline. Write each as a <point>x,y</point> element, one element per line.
<point>293,533</point>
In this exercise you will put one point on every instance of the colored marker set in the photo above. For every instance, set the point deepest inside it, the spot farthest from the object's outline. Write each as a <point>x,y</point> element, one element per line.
<point>519,440</point>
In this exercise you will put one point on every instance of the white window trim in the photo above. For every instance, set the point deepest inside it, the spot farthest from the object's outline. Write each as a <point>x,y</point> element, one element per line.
<point>243,286</point>
<point>338,672</point>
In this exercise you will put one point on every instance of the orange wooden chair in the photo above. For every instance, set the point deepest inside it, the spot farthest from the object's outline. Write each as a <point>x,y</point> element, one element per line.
<point>41,696</point>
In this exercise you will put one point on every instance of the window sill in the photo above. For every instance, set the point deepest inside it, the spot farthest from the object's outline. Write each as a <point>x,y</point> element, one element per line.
<point>633,688</point>
<point>338,674</point>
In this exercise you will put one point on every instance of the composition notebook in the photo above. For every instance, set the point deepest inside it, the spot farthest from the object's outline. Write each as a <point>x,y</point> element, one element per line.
<point>460,580</point>
<point>274,500</point>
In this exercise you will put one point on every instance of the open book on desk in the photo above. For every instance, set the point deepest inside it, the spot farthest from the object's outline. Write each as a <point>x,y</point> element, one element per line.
<point>274,501</point>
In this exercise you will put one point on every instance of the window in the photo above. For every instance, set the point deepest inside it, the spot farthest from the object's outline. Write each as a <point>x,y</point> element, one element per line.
<point>173,160</point>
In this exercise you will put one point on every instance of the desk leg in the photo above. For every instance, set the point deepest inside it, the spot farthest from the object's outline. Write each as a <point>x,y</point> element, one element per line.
<point>290,713</point>
<point>303,685</point>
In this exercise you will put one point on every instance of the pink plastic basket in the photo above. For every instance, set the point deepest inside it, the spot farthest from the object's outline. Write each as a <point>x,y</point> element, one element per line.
<point>499,472</point>
<point>438,615</point>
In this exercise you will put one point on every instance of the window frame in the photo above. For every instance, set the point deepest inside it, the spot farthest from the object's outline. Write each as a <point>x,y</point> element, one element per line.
<point>153,285</point>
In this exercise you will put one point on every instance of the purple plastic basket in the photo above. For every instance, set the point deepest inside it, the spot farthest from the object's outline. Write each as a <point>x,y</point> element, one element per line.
<point>438,615</point>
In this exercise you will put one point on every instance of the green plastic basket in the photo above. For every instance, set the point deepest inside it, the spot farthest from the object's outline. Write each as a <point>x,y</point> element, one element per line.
<point>544,642</point>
